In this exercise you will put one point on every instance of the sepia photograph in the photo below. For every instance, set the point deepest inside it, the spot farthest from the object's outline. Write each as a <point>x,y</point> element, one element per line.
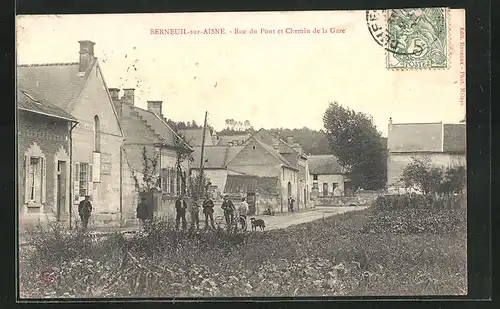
<point>242,154</point>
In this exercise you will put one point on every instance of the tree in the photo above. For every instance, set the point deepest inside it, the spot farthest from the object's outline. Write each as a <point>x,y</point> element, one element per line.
<point>182,155</point>
<point>247,125</point>
<point>358,146</point>
<point>430,180</point>
<point>150,177</point>
<point>195,185</point>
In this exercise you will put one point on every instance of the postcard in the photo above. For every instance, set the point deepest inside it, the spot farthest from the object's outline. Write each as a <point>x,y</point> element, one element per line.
<point>242,154</point>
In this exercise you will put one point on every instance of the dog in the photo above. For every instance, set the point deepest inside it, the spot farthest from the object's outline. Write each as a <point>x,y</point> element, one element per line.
<point>257,223</point>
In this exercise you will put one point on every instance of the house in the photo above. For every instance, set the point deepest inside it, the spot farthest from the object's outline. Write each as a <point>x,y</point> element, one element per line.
<point>147,130</point>
<point>232,140</point>
<point>80,90</point>
<point>443,144</point>
<point>260,192</point>
<point>327,178</point>
<point>263,155</point>
<point>44,158</point>
<point>194,137</point>
<point>215,167</point>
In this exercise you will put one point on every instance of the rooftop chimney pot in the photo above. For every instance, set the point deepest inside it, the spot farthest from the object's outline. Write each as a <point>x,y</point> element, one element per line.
<point>128,95</point>
<point>86,55</point>
<point>155,107</point>
<point>114,93</point>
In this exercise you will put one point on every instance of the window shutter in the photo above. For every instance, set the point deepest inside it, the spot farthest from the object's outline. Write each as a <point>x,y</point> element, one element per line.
<point>90,187</point>
<point>26,178</point>
<point>76,181</point>
<point>43,176</point>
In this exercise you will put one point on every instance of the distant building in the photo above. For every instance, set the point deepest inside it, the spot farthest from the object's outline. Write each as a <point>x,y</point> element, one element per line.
<point>327,176</point>
<point>194,137</point>
<point>44,138</point>
<point>444,144</point>
<point>232,140</point>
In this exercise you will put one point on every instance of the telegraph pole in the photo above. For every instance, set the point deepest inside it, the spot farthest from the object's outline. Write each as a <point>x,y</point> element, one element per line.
<point>200,190</point>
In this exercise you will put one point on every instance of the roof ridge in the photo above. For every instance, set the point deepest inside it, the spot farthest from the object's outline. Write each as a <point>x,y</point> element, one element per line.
<point>412,123</point>
<point>46,64</point>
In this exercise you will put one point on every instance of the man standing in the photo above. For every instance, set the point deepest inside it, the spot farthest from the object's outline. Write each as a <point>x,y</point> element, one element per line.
<point>180,210</point>
<point>208,210</point>
<point>195,214</point>
<point>142,211</point>
<point>243,210</point>
<point>84,210</point>
<point>229,210</point>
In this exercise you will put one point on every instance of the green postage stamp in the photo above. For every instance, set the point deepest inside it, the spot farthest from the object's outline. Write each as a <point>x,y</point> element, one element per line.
<point>417,38</point>
<point>412,38</point>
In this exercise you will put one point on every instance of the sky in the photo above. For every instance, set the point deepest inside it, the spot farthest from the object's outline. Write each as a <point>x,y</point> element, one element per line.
<point>272,80</point>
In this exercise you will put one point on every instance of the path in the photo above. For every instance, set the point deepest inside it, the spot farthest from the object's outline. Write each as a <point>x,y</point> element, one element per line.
<point>282,221</point>
<point>279,221</point>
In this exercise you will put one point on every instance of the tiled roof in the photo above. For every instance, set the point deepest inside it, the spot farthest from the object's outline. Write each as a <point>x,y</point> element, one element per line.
<point>454,137</point>
<point>224,140</point>
<point>270,149</point>
<point>245,183</point>
<point>324,165</point>
<point>56,83</point>
<point>26,101</point>
<point>215,156</point>
<point>158,125</point>
<point>270,139</point>
<point>415,137</point>
<point>194,137</point>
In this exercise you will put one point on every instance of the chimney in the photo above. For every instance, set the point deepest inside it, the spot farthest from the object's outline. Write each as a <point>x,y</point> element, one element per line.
<point>113,92</point>
<point>86,55</point>
<point>289,140</point>
<point>128,96</point>
<point>155,107</point>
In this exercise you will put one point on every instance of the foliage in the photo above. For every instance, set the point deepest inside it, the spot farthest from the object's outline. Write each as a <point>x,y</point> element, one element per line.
<point>336,256</point>
<point>414,213</point>
<point>182,155</point>
<point>312,141</point>
<point>150,178</point>
<point>196,180</point>
<point>422,176</point>
<point>359,147</point>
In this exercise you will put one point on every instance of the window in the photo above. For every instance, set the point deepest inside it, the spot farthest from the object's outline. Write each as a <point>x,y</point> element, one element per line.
<point>83,179</point>
<point>172,181</point>
<point>315,186</point>
<point>35,179</point>
<point>315,177</point>
<point>169,181</point>
<point>334,185</point>
<point>325,189</point>
<point>97,134</point>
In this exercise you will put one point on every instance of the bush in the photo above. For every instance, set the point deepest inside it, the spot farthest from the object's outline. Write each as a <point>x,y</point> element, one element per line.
<point>416,201</point>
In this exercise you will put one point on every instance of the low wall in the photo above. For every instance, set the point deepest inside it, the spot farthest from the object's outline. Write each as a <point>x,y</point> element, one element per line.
<point>339,201</point>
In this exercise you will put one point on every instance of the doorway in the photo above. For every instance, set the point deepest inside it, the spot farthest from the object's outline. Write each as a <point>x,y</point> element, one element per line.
<point>61,189</point>
<point>251,203</point>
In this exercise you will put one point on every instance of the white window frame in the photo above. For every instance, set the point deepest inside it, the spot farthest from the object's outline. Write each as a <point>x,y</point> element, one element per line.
<point>34,151</point>
<point>77,181</point>
<point>35,180</point>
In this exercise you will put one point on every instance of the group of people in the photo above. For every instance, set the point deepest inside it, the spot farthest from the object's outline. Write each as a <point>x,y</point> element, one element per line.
<point>181,207</point>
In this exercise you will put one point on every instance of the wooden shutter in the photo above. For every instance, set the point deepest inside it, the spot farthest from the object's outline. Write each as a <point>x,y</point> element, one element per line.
<point>26,179</point>
<point>76,181</point>
<point>43,177</point>
<point>90,186</point>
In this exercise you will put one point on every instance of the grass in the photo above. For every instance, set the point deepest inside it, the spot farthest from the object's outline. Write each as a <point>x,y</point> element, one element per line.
<point>359,253</point>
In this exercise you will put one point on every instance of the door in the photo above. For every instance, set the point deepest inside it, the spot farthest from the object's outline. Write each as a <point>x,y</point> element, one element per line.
<point>251,203</point>
<point>61,188</point>
<point>325,189</point>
